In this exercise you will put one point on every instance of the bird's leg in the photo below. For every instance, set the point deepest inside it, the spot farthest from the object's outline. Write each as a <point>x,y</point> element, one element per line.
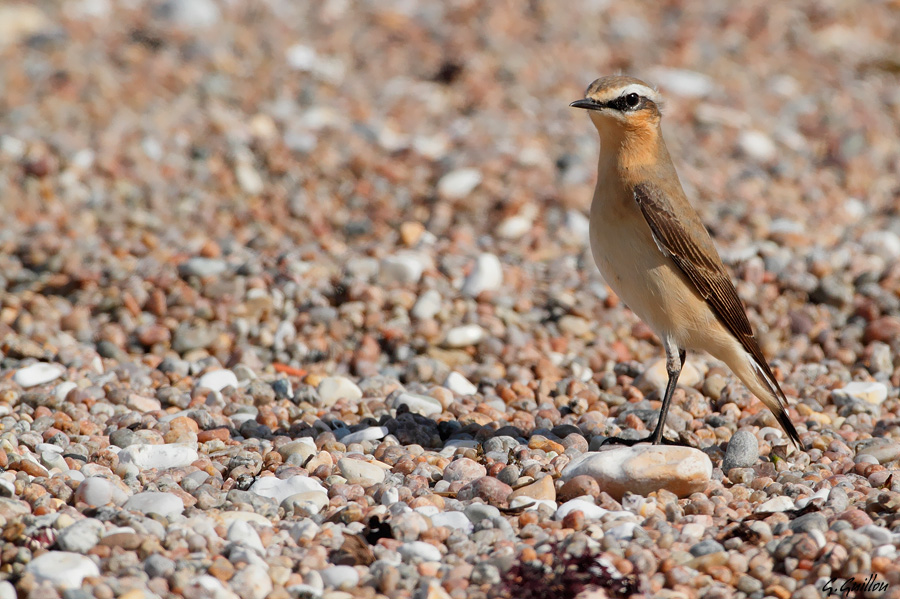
<point>674,363</point>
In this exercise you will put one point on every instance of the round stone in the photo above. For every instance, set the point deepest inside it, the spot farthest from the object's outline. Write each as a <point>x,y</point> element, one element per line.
<point>742,452</point>
<point>156,502</point>
<point>218,380</point>
<point>279,490</point>
<point>62,569</point>
<point>358,472</point>
<point>161,457</point>
<point>38,374</point>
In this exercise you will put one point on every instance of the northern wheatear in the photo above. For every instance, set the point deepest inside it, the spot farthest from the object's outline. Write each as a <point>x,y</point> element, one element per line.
<point>655,253</point>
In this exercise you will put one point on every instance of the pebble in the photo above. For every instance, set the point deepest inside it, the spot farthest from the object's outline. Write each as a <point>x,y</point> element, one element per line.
<point>38,373</point>
<point>742,451</point>
<point>757,145</point>
<point>156,502</point>
<point>655,377</point>
<point>453,520</point>
<point>418,551</point>
<point>487,487</point>
<point>417,404</point>
<point>460,384</point>
<point>682,82</point>
<point>541,489</point>
<point>192,14</point>
<point>358,472</point>
<point>463,470</point>
<point>280,489</point>
<point>459,183</point>
<point>217,380</point>
<point>590,510</point>
<point>251,582</point>
<point>883,450</point>
<point>62,569</point>
<point>340,577</point>
<point>487,275</point>
<point>372,433</point>
<point>81,536</point>
<point>427,305</point>
<point>334,388</point>
<point>172,455</point>
<point>869,392</point>
<point>465,336</point>
<point>780,503</point>
<point>97,490</point>
<point>202,267</point>
<point>644,469</point>
<point>403,268</point>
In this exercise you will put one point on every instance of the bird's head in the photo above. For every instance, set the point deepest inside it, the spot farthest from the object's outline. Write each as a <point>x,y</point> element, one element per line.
<point>620,102</point>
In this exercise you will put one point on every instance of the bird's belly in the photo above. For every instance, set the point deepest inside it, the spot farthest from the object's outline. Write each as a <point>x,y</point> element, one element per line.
<point>649,282</point>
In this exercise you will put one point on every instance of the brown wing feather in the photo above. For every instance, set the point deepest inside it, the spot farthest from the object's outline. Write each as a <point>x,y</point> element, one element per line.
<point>700,263</point>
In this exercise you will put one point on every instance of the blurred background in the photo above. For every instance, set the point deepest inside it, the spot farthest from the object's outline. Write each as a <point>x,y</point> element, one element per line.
<point>348,186</point>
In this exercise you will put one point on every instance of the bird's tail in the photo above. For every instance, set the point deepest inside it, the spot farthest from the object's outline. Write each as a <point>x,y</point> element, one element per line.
<point>758,377</point>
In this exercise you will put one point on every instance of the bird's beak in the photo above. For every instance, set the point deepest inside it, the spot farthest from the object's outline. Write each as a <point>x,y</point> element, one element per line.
<point>587,104</point>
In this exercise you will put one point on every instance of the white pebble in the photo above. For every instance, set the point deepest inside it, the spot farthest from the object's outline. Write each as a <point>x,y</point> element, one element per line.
<point>427,306</point>
<point>757,145</point>
<point>358,472</point>
<point>38,374</point>
<point>218,380</point>
<point>780,503</point>
<point>885,244</point>
<point>63,389</point>
<point>249,179</point>
<point>486,276</point>
<point>147,457</point>
<point>644,469</point>
<point>453,521</point>
<point>514,227</point>
<point>62,569</point>
<point>459,183</point>
<point>372,433</point>
<point>333,388</point>
<point>417,404</point>
<point>156,502</point>
<point>305,529</point>
<point>681,82</point>
<point>279,490</point>
<point>590,510</point>
<point>869,392</point>
<point>390,497</point>
<point>465,335</point>
<point>460,384</point>
<point>404,267</point>
<point>416,551</point>
<point>240,532</point>
<point>340,577</point>
<point>97,491</point>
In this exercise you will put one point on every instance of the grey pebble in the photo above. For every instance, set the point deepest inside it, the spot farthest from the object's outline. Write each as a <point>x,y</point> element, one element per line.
<point>742,451</point>
<point>157,565</point>
<point>809,522</point>
<point>706,547</point>
<point>81,536</point>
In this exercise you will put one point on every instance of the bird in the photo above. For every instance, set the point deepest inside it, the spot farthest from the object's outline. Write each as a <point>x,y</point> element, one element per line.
<point>654,252</point>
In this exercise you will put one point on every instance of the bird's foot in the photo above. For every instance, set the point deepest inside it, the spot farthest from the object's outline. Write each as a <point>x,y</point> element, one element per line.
<point>648,439</point>
<point>623,441</point>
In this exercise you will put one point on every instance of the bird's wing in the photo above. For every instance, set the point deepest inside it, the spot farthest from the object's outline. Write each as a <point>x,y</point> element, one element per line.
<point>695,255</point>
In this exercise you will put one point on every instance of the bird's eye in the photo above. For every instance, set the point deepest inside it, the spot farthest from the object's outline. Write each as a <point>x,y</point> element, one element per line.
<point>632,100</point>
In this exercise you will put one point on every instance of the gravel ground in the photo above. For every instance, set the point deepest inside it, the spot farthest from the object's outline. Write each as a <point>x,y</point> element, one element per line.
<point>296,301</point>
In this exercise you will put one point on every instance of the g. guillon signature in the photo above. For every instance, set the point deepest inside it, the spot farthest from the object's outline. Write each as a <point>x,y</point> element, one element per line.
<point>851,585</point>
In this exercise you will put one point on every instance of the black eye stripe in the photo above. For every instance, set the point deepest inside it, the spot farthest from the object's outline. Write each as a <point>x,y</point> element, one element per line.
<point>622,102</point>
